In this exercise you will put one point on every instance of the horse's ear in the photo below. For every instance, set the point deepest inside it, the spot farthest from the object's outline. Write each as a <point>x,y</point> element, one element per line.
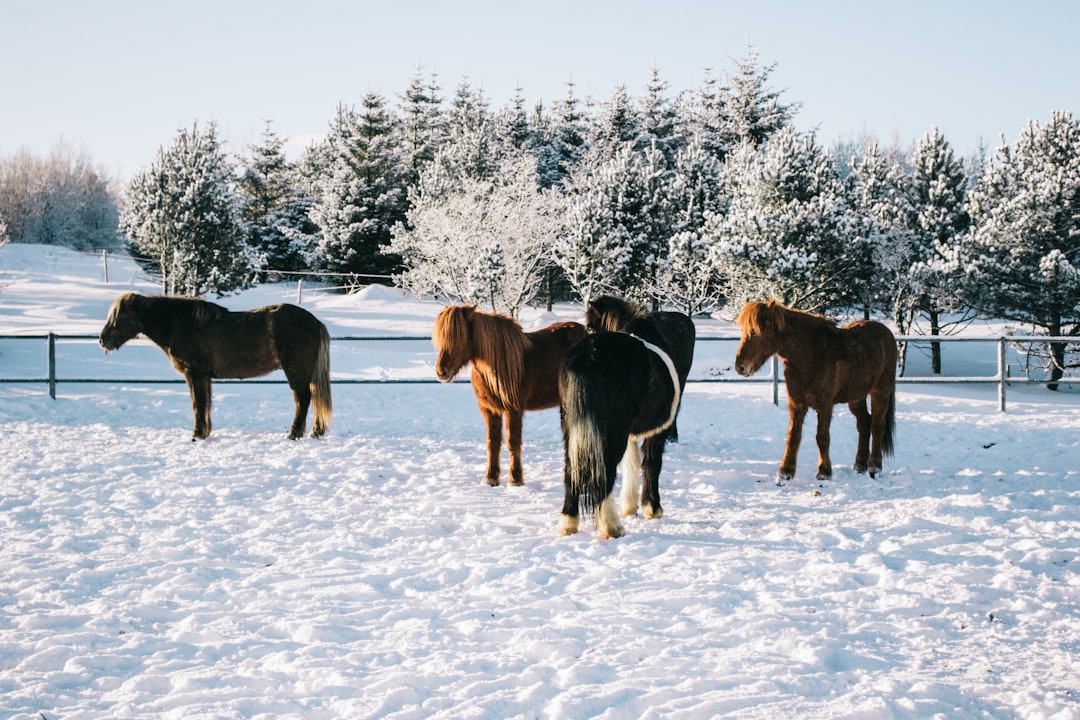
<point>776,315</point>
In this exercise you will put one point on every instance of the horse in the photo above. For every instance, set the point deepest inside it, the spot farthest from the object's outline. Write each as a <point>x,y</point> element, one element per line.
<point>205,341</point>
<point>825,365</point>
<point>513,371</point>
<point>622,384</point>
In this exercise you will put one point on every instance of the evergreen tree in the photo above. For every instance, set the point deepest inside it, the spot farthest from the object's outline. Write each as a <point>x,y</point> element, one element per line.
<point>785,233</point>
<point>274,207</point>
<point>659,120</point>
<point>878,194</point>
<point>470,138</point>
<point>182,212</point>
<point>688,277</point>
<point>421,124</point>
<point>938,222</point>
<point>1026,235</point>
<point>511,129</point>
<point>620,225</point>
<point>363,194</point>
<point>753,110</point>
<point>560,141</point>
<point>617,124</point>
<point>706,119</point>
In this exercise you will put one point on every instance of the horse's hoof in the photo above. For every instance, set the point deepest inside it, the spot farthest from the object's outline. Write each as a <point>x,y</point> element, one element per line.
<point>492,481</point>
<point>782,478</point>
<point>823,476</point>
<point>859,468</point>
<point>874,470</point>
<point>612,532</point>
<point>517,482</point>
<point>653,513</point>
<point>568,525</point>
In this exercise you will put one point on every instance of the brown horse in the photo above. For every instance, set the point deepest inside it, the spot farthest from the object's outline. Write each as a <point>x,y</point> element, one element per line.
<point>206,341</point>
<point>512,371</point>
<point>825,365</point>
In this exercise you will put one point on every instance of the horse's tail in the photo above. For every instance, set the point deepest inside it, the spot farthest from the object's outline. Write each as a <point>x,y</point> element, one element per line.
<point>890,427</point>
<point>583,405</point>
<point>320,386</point>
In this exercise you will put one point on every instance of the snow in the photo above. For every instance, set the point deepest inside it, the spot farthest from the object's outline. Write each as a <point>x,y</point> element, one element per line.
<point>372,574</point>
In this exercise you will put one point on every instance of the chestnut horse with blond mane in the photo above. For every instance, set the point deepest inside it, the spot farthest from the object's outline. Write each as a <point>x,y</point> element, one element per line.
<point>513,371</point>
<point>825,365</point>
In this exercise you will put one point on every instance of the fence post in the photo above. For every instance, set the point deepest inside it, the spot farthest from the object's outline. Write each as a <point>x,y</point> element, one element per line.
<point>299,290</point>
<point>1001,374</point>
<point>775,381</point>
<point>105,262</point>
<point>52,365</point>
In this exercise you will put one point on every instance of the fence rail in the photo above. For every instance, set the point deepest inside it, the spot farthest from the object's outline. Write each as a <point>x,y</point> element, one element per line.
<point>1001,378</point>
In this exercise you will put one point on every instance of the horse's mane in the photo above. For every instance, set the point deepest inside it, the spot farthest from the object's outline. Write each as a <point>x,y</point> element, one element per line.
<point>497,340</point>
<point>194,309</point>
<point>774,317</point>
<point>612,314</point>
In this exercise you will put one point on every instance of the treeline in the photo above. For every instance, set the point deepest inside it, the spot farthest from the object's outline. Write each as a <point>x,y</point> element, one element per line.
<point>698,199</point>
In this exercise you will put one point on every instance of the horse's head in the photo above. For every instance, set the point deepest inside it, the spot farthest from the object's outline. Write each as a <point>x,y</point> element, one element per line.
<point>123,322</point>
<point>610,314</point>
<point>761,325</point>
<point>452,338</point>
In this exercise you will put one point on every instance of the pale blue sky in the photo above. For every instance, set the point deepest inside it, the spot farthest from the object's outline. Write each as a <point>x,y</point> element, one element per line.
<point>116,79</point>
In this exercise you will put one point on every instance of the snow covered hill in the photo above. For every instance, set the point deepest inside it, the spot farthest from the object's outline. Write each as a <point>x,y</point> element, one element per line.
<point>371,574</point>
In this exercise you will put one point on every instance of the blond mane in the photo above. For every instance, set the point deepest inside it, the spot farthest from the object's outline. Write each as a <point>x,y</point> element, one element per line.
<point>498,347</point>
<point>772,317</point>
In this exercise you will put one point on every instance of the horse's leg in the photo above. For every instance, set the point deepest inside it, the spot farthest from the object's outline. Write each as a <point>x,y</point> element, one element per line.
<point>199,385</point>
<point>879,412</point>
<point>797,411</point>
<point>607,519</point>
<point>630,469</point>
<point>653,459</point>
<point>493,421</point>
<point>302,396</point>
<point>513,444</point>
<point>568,522</point>
<point>824,420</point>
<point>862,423</point>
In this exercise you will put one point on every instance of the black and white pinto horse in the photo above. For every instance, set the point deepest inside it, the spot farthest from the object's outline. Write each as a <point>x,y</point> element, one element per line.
<point>620,385</point>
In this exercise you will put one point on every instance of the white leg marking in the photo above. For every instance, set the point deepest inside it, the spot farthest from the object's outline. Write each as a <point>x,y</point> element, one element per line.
<point>630,469</point>
<point>607,520</point>
<point>567,525</point>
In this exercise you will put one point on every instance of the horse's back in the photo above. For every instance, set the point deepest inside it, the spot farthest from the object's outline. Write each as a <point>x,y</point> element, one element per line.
<point>547,348</point>
<point>672,332</point>
<point>251,343</point>
<point>873,354</point>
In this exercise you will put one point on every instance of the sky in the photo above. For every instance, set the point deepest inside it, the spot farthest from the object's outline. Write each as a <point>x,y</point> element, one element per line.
<point>117,79</point>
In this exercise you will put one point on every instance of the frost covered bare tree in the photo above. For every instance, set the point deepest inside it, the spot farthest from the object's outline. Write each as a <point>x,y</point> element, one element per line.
<point>61,199</point>
<point>480,241</point>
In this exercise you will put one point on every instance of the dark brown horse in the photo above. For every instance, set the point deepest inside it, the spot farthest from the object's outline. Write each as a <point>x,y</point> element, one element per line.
<point>512,371</point>
<point>206,341</point>
<point>621,385</point>
<point>825,365</point>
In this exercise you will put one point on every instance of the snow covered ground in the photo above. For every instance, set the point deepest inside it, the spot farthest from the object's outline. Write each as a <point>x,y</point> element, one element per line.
<point>371,574</point>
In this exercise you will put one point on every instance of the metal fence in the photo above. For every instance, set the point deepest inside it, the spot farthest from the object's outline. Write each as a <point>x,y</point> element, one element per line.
<point>1002,378</point>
